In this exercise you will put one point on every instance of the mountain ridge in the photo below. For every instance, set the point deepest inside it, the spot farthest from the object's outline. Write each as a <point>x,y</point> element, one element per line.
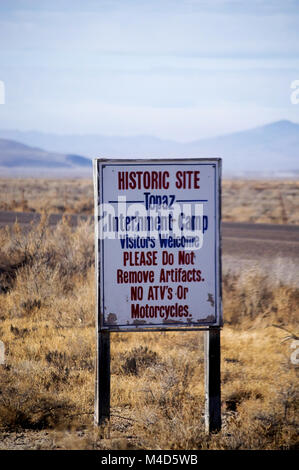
<point>273,147</point>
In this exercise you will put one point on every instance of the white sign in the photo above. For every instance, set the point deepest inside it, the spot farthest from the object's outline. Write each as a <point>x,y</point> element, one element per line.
<point>158,243</point>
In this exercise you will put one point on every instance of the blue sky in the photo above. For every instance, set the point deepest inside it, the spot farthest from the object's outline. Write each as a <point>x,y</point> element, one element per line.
<point>178,69</point>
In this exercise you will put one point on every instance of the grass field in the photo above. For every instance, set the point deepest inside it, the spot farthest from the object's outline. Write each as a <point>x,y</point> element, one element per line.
<point>47,380</point>
<point>259,201</point>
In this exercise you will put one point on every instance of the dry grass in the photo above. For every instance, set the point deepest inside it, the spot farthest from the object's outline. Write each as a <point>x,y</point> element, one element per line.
<point>47,381</point>
<point>57,196</point>
<point>257,201</point>
<point>275,202</point>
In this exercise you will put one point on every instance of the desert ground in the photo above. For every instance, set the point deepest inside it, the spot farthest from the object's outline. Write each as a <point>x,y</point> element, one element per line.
<point>47,326</point>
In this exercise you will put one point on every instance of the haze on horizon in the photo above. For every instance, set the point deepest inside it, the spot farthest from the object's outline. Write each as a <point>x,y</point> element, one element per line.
<point>174,69</point>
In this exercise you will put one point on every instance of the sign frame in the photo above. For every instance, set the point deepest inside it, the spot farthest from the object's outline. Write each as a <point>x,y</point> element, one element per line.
<point>98,165</point>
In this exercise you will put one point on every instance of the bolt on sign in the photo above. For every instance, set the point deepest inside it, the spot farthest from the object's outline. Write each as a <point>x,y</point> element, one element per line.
<point>158,244</point>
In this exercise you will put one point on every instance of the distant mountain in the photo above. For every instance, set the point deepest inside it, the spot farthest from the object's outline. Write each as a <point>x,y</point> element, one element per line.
<point>272,149</point>
<point>93,145</point>
<point>79,161</point>
<point>18,159</point>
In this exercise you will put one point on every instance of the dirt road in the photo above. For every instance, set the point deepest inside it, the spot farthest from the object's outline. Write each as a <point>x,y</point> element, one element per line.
<point>260,240</point>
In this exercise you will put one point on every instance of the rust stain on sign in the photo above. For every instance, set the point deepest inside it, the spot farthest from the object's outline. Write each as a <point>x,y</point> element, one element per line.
<point>139,322</point>
<point>211,299</point>
<point>208,319</point>
<point>112,319</point>
<point>173,321</point>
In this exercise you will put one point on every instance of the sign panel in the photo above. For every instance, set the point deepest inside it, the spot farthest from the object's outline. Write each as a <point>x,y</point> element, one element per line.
<point>158,243</point>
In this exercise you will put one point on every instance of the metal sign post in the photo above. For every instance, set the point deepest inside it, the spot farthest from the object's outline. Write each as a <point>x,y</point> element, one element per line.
<point>102,392</point>
<point>212,380</point>
<point>158,260</point>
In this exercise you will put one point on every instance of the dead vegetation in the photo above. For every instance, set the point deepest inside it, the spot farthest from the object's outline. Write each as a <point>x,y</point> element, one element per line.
<point>157,383</point>
<point>56,196</point>
<point>258,201</point>
<point>255,201</point>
